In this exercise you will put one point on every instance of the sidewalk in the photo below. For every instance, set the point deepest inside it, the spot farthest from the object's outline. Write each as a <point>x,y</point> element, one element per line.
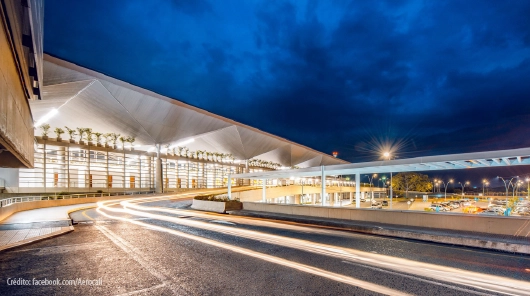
<point>505,243</point>
<point>29,226</point>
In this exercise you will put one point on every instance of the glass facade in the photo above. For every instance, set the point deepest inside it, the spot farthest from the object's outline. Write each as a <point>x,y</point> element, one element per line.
<point>72,167</point>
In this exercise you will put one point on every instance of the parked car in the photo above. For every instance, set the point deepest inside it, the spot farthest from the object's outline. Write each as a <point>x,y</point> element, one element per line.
<point>384,203</point>
<point>490,213</point>
<point>377,205</point>
<point>442,207</point>
<point>447,205</point>
<point>455,204</point>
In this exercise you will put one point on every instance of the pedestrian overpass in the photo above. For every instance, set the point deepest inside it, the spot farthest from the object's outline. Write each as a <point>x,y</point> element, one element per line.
<point>500,158</point>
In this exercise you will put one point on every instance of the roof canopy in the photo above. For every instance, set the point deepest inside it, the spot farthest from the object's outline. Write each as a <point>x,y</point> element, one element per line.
<point>85,98</point>
<point>430,163</point>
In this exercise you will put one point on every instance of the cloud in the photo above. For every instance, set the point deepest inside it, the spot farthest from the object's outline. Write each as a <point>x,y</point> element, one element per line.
<point>330,75</point>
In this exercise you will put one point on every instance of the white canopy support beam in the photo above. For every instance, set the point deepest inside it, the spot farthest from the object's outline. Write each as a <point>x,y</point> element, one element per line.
<point>323,185</point>
<point>484,162</point>
<point>496,160</point>
<point>229,186</point>
<point>519,159</point>
<point>263,191</point>
<point>357,190</point>
<point>507,160</point>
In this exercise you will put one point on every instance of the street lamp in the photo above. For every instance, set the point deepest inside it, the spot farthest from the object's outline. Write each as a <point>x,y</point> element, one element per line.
<point>445,186</point>
<point>528,188</point>
<point>387,156</point>
<point>371,181</point>
<point>463,186</point>
<point>483,183</point>
<point>507,185</point>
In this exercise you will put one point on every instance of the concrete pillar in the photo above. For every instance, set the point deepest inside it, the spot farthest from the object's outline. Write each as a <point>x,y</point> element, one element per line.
<point>313,198</point>
<point>357,190</point>
<point>263,194</point>
<point>297,199</point>
<point>229,185</point>
<point>158,171</point>
<point>351,197</point>
<point>323,185</point>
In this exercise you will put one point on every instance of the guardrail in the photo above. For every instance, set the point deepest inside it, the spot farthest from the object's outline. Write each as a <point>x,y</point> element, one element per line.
<point>11,200</point>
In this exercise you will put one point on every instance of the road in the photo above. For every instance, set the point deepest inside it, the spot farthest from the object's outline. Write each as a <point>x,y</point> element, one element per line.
<point>159,246</point>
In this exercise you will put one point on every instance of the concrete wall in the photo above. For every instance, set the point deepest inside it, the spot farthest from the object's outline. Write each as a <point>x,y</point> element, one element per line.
<point>487,224</point>
<point>16,122</point>
<point>24,206</point>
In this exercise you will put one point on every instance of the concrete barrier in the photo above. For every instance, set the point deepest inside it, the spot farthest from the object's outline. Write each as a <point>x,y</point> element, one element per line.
<point>214,206</point>
<point>513,226</point>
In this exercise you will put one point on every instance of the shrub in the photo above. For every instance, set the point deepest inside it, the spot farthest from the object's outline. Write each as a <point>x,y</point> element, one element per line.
<point>99,191</point>
<point>215,198</point>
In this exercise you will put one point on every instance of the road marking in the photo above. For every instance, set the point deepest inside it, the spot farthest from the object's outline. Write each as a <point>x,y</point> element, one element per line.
<point>223,222</point>
<point>298,266</point>
<point>86,215</point>
<point>446,274</point>
<point>136,255</point>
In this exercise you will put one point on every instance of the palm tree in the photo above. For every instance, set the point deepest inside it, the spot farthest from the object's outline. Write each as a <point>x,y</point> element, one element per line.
<point>71,133</point>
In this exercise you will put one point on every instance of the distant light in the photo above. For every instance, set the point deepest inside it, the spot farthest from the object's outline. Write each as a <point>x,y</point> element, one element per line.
<point>46,117</point>
<point>386,154</point>
<point>335,154</point>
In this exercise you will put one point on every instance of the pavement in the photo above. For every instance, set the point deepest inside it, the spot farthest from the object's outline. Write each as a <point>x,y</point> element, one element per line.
<point>505,243</point>
<point>161,247</point>
<point>30,226</point>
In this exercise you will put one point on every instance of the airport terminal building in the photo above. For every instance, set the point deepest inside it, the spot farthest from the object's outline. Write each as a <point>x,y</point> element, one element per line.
<point>92,133</point>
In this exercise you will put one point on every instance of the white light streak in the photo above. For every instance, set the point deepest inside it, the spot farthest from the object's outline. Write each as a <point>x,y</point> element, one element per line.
<point>46,117</point>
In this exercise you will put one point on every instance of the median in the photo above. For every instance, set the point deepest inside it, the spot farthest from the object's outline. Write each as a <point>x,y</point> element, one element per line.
<point>219,204</point>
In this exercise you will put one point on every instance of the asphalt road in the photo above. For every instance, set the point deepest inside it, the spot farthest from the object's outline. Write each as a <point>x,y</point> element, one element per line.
<point>161,247</point>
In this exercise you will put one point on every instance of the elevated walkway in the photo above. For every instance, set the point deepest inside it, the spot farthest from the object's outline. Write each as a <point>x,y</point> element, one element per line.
<point>279,191</point>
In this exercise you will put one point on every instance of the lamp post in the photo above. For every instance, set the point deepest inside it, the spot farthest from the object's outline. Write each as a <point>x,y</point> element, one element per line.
<point>483,183</point>
<point>387,156</point>
<point>445,187</point>
<point>507,185</point>
<point>371,181</point>
<point>463,186</point>
<point>528,187</point>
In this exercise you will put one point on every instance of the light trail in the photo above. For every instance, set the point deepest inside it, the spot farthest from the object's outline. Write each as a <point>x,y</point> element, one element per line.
<point>297,266</point>
<point>451,275</point>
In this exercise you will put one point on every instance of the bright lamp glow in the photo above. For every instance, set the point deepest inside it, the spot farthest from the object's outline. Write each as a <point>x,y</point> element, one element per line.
<point>46,117</point>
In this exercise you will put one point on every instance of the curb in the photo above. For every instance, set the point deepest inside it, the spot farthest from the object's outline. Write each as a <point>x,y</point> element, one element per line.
<point>457,240</point>
<point>36,239</point>
<point>46,236</point>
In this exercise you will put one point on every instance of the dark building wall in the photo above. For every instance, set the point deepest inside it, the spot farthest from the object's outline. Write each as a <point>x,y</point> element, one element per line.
<point>18,84</point>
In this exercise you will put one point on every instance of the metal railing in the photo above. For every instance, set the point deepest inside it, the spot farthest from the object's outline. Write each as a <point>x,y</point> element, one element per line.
<point>11,200</point>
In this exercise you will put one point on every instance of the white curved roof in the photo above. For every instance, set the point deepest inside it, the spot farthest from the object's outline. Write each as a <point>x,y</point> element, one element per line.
<point>85,98</point>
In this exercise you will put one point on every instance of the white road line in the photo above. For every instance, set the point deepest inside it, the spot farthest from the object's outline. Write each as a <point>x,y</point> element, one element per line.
<point>135,255</point>
<point>283,262</point>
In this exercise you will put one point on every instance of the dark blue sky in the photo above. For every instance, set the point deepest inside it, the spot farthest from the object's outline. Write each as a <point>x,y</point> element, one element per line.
<point>432,77</point>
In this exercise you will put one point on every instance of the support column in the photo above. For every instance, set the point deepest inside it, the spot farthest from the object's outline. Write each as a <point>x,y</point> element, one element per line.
<point>390,189</point>
<point>357,190</point>
<point>297,198</point>
<point>323,185</point>
<point>229,185</point>
<point>263,194</point>
<point>158,171</point>
<point>351,197</point>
